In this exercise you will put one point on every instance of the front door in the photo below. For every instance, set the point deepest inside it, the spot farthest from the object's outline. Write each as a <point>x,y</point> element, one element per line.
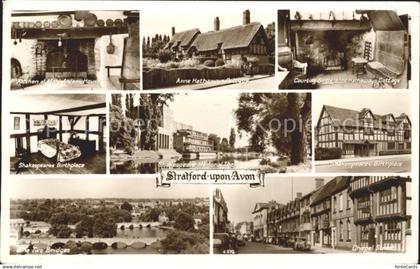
<point>371,238</point>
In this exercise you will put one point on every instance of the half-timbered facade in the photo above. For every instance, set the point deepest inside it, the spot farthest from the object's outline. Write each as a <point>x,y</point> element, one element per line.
<point>362,133</point>
<point>380,212</point>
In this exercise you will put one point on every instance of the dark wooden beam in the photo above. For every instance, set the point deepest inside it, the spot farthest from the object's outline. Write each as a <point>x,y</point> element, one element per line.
<point>60,128</point>
<point>64,132</point>
<point>100,135</point>
<point>329,25</point>
<point>69,33</point>
<point>67,110</point>
<point>28,133</point>
<point>87,128</point>
<point>41,13</point>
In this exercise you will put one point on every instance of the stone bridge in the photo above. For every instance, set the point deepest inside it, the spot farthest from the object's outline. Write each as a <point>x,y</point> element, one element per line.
<point>109,241</point>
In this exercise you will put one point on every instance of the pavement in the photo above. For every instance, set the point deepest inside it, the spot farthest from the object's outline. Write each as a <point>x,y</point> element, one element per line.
<point>261,248</point>
<point>388,164</point>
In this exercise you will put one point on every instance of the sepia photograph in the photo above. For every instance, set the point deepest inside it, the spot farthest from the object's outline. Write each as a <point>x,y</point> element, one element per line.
<point>348,49</point>
<point>222,48</point>
<point>55,216</point>
<point>362,132</point>
<point>314,215</point>
<point>266,131</point>
<point>79,49</point>
<point>58,134</point>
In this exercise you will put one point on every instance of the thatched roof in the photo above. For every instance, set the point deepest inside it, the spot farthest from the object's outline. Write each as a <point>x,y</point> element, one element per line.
<point>182,38</point>
<point>229,38</point>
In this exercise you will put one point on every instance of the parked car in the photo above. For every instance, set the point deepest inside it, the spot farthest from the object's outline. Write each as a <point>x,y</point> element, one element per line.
<point>302,243</point>
<point>240,241</point>
<point>290,243</point>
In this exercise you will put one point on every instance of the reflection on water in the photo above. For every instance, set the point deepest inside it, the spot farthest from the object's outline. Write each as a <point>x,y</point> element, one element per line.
<point>138,167</point>
<point>141,233</point>
<point>128,250</point>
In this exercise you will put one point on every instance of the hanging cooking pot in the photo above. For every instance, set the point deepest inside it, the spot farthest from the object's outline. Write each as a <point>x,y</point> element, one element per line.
<point>38,24</point>
<point>54,24</point>
<point>64,21</point>
<point>118,22</point>
<point>110,48</point>
<point>109,23</point>
<point>46,24</point>
<point>90,20</point>
<point>101,23</point>
<point>79,15</point>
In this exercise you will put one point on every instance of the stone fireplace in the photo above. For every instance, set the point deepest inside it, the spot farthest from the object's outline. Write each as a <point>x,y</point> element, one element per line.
<point>65,59</point>
<point>330,50</point>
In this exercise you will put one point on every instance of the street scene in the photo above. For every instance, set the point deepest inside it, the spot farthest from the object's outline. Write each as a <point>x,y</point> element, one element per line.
<point>360,132</point>
<point>266,131</point>
<point>314,215</point>
<point>53,216</point>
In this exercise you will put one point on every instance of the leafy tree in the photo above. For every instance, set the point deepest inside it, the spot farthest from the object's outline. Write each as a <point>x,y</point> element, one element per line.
<point>127,206</point>
<point>104,227</point>
<point>277,119</point>
<point>60,230</point>
<point>184,222</point>
<point>232,138</point>
<point>85,227</point>
<point>214,139</point>
<point>151,113</point>
<point>185,242</point>
<point>224,145</point>
<point>122,132</point>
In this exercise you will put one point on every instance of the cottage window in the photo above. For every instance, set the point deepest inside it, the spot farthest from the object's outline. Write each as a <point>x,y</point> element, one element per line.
<point>340,202</point>
<point>392,231</point>
<point>341,232</point>
<point>348,230</point>
<point>391,145</point>
<point>16,123</point>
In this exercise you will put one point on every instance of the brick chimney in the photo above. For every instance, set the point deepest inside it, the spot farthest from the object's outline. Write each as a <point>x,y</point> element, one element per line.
<point>173,31</point>
<point>319,182</point>
<point>216,24</point>
<point>246,17</point>
<point>298,195</point>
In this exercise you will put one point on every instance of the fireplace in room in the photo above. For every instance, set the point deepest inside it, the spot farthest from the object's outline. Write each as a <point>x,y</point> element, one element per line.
<point>329,50</point>
<point>65,59</point>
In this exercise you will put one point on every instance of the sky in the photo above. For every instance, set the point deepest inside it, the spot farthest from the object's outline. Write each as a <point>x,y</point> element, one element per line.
<point>379,102</point>
<point>209,113</point>
<point>192,16</point>
<point>101,187</point>
<point>241,199</point>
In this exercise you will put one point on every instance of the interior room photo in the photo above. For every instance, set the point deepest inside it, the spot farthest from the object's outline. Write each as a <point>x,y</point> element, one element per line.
<point>343,49</point>
<point>61,134</point>
<point>56,50</point>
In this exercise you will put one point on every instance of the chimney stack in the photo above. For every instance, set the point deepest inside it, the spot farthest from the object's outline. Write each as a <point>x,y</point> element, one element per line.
<point>246,17</point>
<point>298,195</point>
<point>216,24</point>
<point>319,182</point>
<point>173,31</point>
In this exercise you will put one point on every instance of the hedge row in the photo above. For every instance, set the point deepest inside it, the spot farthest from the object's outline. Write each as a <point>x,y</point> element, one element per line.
<point>394,152</point>
<point>328,153</point>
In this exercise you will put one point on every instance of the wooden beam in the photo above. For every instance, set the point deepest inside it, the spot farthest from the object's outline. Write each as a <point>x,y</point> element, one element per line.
<point>70,33</point>
<point>329,25</point>
<point>28,133</point>
<point>67,110</point>
<point>100,135</point>
<point>60,128</point>
<point>64,132</point>
<point>87,128</point>
<point>41,13</point>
